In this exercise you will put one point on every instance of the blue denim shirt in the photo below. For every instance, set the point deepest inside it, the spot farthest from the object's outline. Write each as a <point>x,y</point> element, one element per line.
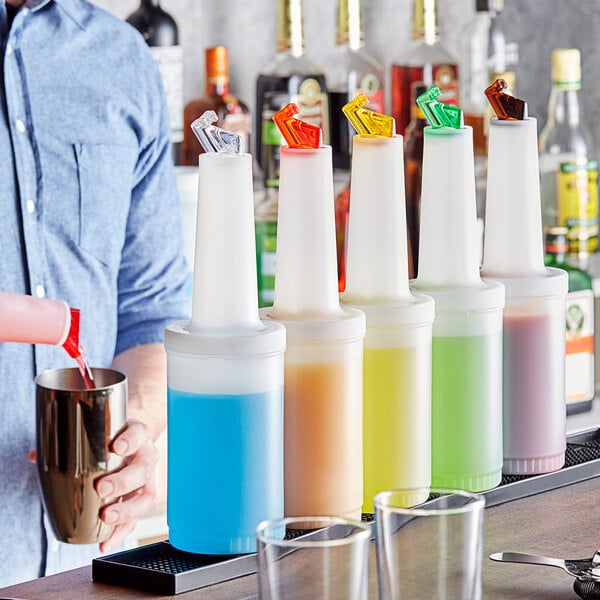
<point>88,214</point>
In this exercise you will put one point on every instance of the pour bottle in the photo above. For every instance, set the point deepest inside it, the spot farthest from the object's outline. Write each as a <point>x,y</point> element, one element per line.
<point>224,371</point>
<point>397,347</point>
<point>32,320</point>
<point>534,317</point>
<point>467,331</point>
<point>323,359</point>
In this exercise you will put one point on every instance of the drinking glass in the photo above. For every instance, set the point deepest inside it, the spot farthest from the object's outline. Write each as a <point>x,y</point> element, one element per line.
<point>304,558</point>
<point>75,427</point>
<point>429,548</point>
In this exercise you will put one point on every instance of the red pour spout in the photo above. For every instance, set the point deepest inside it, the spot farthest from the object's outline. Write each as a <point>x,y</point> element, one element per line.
<point>71,344</point>
<point>297,133</point>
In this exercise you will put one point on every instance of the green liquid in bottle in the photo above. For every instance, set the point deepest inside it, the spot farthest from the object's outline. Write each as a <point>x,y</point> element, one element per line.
<point>466,412</point>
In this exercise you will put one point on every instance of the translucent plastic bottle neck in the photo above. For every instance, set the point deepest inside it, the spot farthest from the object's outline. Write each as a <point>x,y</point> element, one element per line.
<point>377,263</point>
<point>513,245</point>
<point>448,244</point>
<point>306,277</point>
<point>225,297</point>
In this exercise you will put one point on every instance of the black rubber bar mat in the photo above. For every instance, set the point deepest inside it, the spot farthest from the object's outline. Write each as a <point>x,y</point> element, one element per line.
<point>164,570</point>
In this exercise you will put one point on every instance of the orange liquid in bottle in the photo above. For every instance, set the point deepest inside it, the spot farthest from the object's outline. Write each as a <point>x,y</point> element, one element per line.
<point>323,439</point>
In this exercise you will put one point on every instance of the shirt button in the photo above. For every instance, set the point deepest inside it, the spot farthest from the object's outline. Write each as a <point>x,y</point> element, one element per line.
<point>20,126</point>
<point>40,291</point>
<point>9,49</point>
<point>30,206</point>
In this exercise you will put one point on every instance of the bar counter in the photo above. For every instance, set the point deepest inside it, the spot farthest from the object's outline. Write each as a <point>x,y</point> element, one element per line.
<point>562,523</point>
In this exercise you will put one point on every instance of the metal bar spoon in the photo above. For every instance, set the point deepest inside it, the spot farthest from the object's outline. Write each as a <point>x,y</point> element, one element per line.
<point>584,568</point>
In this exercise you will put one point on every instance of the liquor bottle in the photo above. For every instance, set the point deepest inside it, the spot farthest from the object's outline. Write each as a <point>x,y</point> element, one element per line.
<point>569,171</point>
<point>267,199</point>
<point>233,113</point>
<point>533,381</point>
<point>162,35</point>
<point>425,60</point>
<point>467,329</point>
<point>413,170</point>
<point>354,71</point>
<point>293,73</point>
<point>579,374</point>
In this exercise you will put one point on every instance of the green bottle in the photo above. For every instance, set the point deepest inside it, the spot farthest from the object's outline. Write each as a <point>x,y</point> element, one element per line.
<point>267,200</point>
<point>579,373</point>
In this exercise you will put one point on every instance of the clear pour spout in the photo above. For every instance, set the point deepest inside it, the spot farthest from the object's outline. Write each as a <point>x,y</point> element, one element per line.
<point>212,138</point>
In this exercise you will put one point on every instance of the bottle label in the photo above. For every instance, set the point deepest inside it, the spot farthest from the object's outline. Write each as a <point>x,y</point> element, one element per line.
<point>266,244</point>
<point>239,124</point>
<point>313,106</point>
<point>169,60</point>
<point>577,188</point>
<point>371,88</point>
<point>579,374</point>
<point>446,78</point>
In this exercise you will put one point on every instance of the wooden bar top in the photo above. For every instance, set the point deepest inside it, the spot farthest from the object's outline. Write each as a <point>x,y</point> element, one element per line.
<point>561,523</point>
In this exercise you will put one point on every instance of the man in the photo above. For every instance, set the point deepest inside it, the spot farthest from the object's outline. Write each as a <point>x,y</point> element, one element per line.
<point>88,214</point>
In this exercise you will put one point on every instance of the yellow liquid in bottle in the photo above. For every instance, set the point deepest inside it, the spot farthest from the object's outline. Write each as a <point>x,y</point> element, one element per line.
<point>397,420</point>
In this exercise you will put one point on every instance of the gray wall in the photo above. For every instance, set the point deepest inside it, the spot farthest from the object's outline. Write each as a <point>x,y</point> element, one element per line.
<point>247,27</point>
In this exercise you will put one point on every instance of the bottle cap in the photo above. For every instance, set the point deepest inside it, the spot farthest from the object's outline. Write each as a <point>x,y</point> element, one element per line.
<point>424,23</point>
<point>368,123</point>
<point>566,66</point>
<point>505,106</point>
<point>212,138</point>
<point>437,113</point>
<point>489,6</point>
<point>217,65</point>
<point>349,25</point>
<point>290,37</point>
<point>297,133</point>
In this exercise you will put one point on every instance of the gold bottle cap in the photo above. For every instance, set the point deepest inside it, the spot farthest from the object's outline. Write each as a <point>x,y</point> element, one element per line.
<point>566,67</point>
<point>290,37</point>
<point>424,24</point>
<point>349,25</point>
<point>217,64</point>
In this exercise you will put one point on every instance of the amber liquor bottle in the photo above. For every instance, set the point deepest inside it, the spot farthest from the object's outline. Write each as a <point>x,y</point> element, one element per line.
<point>232,112</point>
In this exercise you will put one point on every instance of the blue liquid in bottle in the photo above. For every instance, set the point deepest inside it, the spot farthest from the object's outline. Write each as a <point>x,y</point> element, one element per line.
<point>229,478</point>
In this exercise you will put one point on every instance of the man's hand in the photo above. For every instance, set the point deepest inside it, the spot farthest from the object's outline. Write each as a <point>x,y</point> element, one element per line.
<point>133,487</point>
